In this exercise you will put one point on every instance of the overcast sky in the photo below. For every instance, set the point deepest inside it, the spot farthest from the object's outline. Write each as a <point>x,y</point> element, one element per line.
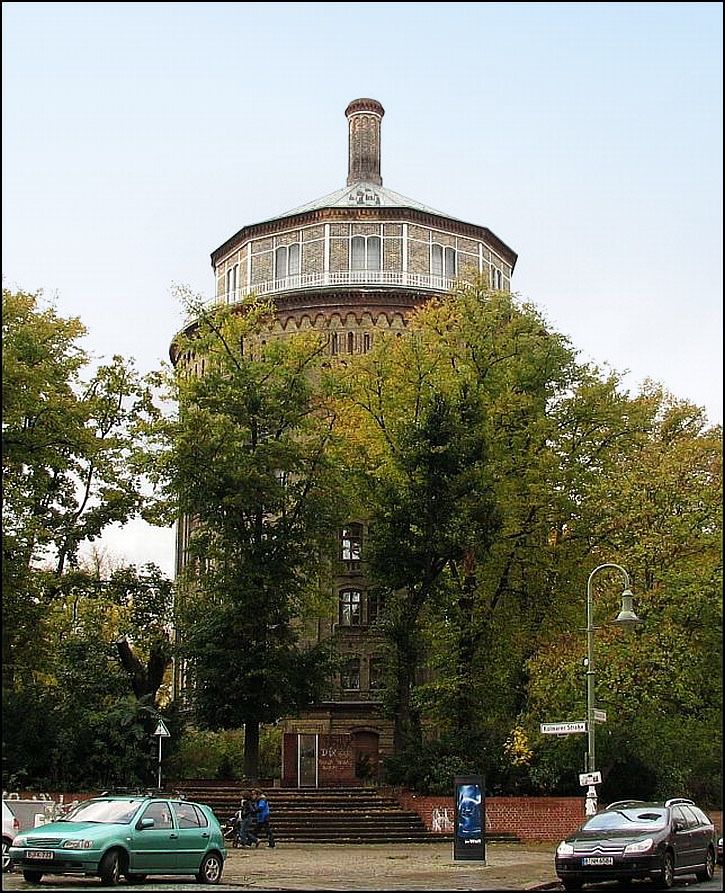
<point>137,137</point>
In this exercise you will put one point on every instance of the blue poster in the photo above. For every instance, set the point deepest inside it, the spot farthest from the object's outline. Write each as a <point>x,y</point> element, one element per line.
<point>469,841</point>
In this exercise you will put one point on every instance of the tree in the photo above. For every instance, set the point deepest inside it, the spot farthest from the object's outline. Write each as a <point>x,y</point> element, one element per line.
<point>246,465</point>
<point>67,448</point>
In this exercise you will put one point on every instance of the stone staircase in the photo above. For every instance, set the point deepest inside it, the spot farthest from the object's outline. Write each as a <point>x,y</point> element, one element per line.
<point>322,815</point>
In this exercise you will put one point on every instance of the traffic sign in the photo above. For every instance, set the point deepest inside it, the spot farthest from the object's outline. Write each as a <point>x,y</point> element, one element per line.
<point>599,715</point>
<point>589,778</point>
<point>161,730</point>
<point>562,728</point>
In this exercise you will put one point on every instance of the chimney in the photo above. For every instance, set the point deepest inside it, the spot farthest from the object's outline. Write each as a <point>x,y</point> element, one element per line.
<point>364,117</point>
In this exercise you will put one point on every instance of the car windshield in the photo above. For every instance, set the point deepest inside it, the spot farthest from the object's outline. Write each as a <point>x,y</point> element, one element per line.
<point>106,811</point>
<point>627,820</point>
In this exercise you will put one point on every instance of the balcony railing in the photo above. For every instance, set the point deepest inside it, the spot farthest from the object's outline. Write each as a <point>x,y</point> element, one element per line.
<point>345,279</point>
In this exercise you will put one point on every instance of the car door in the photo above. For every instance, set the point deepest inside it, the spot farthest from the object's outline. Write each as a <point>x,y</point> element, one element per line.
<point>193,829</point>
<point>685,837</point>
<point>702,831</point>
<point>155,845</point>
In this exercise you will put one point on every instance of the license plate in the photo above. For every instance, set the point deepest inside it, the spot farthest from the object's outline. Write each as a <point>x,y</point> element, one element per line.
<point>598,860</point>
<point>43,855</point>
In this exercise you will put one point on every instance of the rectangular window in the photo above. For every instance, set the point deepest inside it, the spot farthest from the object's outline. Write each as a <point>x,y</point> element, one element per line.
<point>366,253</point>
<point>377,677</point>
<point>442,261</point>
<point>351,542</point>
<point>350,676</point>
<point>350,607</point>
<point>376,602</point>
<point>232,280</point>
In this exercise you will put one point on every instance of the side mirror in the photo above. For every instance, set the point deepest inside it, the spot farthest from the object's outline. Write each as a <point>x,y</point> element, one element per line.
<point>145,823</point>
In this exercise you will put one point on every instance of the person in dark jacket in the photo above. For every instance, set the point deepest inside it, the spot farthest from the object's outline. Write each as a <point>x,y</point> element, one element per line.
<point>247,817</point>
<point>262,809</point>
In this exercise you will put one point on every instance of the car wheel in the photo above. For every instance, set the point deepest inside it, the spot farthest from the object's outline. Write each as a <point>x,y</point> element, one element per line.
<point>211,869</point>
<point>667,878</point>
<point>709,870</point>
<point>33,877</point>
<point>135,878</point>
<point>110,868</point>
<point>7,866</point>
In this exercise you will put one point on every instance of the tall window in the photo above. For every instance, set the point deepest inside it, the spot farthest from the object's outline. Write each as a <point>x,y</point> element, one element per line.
<point>376,602</point>
<point>442,261</point>
<point>287,261</point>
<point>496,278</point>
<point>366,342</point>
<point>334,343</point>
<point>366,253</point>
<point>350,607</point>
<point>350,342</point>
<point>377,676</point>
<point>350,675</point>
<point>351,542</point>
<point>232,279</point>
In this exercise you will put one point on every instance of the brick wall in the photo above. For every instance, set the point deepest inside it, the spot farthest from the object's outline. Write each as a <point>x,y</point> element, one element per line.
<point>529,818</point>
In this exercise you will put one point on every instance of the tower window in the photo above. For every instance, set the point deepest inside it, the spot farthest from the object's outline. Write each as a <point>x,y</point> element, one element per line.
<point>496,278</point>
<point>351,542</point>
<point>442,261</point>
<point>350,342</point>
<point>287,261</point>
<point>334,343</point>
<point>350,607</point>
<point>232,279</point>
<point>376,602</point>
<point>366,253</point>
<point>350,676</point>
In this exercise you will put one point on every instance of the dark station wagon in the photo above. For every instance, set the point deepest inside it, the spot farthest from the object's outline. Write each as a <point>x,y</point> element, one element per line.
<point>130,836</point>
<point>636,839</point>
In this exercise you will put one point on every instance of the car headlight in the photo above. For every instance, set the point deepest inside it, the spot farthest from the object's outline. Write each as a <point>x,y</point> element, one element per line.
<point>19,841</point>
<point>641,846</point>
<point>565,849</point>
<point>78,844</point>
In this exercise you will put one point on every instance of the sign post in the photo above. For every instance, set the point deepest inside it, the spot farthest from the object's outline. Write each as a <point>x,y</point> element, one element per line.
<point>161,732</point>
<point>469,841</point>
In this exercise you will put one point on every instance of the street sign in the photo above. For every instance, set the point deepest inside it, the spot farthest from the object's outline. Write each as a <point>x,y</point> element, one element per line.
<point>562,728</point>
<point>599,715</point>
<point>162,730</point>
<point>589,778</point>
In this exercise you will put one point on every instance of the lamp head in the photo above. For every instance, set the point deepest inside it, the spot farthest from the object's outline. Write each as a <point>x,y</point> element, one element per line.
<point>626,617</point>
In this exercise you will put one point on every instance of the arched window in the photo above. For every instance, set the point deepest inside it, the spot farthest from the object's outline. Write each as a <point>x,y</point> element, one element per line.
<point>366,342</point>
<point>350,342</point>
<point>333,343</point>
<point>442,261</point>
<point>366,253</point>
<point>287,261</point>
<point>232,282</point>
<point>350,607</point>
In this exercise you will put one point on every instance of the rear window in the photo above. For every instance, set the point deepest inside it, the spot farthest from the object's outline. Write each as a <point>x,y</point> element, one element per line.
<point>627,820</point>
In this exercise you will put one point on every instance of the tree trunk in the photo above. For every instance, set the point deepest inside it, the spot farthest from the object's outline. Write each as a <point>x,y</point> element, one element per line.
<point>251,751</point>
<point>406,721</point>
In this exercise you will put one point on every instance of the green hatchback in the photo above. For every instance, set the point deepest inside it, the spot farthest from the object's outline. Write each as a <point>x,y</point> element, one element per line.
<point>131,836</point>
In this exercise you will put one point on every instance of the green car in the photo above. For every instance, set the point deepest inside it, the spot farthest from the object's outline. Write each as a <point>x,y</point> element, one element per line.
<point>131,836</point>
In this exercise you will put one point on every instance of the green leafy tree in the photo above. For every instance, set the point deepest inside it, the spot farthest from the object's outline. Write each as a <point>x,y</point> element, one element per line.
<point>246,465</point>
<point>67,453</point>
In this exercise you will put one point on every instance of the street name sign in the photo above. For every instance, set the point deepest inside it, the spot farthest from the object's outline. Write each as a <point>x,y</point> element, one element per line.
<point>599,715</point>
<point>161,730</point>
<point>562,728</point>
<point>589,778</point>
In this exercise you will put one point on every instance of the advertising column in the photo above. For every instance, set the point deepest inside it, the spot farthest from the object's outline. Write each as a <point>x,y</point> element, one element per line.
<point>470,819</point>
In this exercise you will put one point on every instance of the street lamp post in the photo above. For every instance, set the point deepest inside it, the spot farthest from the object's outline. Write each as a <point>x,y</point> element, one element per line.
<point>626,618</point>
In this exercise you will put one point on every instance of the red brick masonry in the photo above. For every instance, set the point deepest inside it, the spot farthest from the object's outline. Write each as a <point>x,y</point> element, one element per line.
<point>529,818</point>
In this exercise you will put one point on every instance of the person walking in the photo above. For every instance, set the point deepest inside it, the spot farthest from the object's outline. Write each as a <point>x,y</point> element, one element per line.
<point>247,816</point>
<point>262,809</point>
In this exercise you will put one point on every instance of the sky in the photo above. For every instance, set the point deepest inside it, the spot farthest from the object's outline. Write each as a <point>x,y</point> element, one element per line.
<point>137,137</point>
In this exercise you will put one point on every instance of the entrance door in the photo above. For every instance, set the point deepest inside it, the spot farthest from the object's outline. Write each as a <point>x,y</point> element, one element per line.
<point>307,761</point>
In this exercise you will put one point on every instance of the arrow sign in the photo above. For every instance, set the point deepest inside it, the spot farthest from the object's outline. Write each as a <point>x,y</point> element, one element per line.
<point>589,778</point>
<point>562,728</point>
<point>162,730</point>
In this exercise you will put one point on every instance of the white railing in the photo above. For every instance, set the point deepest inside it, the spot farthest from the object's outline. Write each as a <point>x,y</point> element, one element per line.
<point>341,280</point>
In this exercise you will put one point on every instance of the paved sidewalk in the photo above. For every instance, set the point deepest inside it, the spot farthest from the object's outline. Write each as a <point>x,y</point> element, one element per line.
<point>384,867</point>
